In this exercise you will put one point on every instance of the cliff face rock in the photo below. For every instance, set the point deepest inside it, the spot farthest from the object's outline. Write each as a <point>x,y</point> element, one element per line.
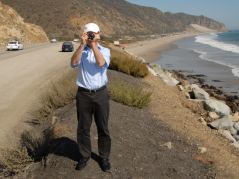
<point>12,26</point>
<point>61,18</point>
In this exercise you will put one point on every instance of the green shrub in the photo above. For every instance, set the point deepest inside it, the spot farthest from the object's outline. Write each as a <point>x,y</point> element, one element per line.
<point>129,95</point>
<point>127,64</point>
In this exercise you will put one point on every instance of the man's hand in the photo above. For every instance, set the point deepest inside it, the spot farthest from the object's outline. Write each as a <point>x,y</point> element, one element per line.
<point>93,43</point>
<point>77,55</point>
<point>84,38</point>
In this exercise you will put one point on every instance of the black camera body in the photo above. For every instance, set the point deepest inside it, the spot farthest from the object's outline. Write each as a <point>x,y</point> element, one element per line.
<point>91,35</point>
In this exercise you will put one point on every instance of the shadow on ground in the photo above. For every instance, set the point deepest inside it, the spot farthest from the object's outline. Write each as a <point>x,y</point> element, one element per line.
<point>139,148</point>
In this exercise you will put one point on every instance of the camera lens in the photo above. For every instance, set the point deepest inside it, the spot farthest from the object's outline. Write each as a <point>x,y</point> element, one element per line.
<point>91,35</point>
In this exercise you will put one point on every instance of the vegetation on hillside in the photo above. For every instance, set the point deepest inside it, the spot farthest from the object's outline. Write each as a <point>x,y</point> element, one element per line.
<point>64,19</point>
<point>129,95</point>
<point>127,64</point>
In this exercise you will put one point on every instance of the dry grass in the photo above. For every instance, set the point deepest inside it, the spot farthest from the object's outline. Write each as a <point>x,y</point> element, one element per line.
<point>33,147</point>
<point>127,64</point>
<point>129,95</point>
<point>34,144</point>
<point>60,93</point>
<point>37,142</point>
<point>14,160</point>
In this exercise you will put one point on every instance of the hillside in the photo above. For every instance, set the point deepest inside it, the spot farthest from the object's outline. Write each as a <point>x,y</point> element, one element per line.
<point>60,18</point>
<point>13,27</point>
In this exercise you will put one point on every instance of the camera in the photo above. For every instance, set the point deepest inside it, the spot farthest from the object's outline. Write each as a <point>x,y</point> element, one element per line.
<point>91,35</point>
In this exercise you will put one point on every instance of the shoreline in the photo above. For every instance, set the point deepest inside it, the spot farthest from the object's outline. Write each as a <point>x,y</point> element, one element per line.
<point>150,50</point>
<point>222,144</point>
<point>231,100</point>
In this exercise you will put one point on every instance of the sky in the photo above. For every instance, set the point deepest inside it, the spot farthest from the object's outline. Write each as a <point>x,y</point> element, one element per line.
<point>226,11</point>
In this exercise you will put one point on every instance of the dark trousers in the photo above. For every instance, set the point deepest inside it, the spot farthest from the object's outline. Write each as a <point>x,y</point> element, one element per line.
<point>91,104</point>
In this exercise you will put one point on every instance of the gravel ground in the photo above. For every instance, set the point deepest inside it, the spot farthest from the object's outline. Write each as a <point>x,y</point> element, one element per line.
<point>143,146</point>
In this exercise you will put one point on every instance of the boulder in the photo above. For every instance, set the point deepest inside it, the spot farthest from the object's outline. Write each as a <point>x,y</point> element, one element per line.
<point>236,144</point>
<point>185,83</point>
<point>218,106</point>
<point>233,131</point>
<point>54,120</point>
<point>202,120</point>
<point>202,150</point>
<point>213,115</point>
<point>188,87</point>
<point>187,95</point>
<point>223,123</point>
<point>166,76</point>
<point>181,88</point>
<point>199,93</point>
<point>168,145</point>
<point>156,68</point>
<point>236,137</point>
<point>236,126</point>
<point>228,135</point>
<point>152,71</point>
<point>168,79</point>
<point>234,117</point>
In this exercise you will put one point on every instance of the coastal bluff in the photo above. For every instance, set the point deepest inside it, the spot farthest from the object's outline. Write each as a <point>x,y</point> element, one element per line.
<point>60,18</point>
<point>13,27</point>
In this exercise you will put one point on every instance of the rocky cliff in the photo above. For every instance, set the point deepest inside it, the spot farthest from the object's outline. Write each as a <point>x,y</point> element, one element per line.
<point>12,26</point>
<point>61,18</point>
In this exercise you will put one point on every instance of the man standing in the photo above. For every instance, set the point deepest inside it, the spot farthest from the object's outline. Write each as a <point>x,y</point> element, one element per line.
<point>92,99</point>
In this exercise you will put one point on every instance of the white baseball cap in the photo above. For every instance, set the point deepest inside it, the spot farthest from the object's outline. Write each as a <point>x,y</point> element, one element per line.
<point>91,27</point>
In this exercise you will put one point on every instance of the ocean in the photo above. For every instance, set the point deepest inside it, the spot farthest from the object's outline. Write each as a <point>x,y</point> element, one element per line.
<point>215,55</point>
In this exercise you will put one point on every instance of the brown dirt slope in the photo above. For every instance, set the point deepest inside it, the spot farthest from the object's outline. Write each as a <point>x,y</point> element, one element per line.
<point>138,149</point>
<point>172,107</point>
<point>13,27</point>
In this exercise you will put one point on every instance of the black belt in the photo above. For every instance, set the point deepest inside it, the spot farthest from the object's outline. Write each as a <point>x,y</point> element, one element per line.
<point>91,90</point>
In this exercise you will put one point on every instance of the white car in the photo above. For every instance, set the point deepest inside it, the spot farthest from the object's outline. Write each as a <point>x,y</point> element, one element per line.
<point>76,40</point>
<point>53,40</point>
<point>14,45</point>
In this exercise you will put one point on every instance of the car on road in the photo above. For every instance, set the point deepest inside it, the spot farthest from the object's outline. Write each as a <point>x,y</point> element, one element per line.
<point>53,40</point>
<point>76,40</point>
<point>14,45</point>
<point>67,47</point>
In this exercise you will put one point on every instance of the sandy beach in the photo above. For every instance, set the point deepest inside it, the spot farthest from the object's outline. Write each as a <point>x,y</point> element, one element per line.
<point>150,49</point>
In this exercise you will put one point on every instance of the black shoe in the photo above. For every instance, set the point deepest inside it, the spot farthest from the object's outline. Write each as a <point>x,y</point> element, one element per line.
<point>105,165</point>
<point>81,164</point>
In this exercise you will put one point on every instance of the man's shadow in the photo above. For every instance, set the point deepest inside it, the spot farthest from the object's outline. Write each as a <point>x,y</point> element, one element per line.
<point>68,148</point>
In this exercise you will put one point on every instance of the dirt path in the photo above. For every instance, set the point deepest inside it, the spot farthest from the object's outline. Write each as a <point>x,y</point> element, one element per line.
<point>138,149</point>
<point>23,77</point>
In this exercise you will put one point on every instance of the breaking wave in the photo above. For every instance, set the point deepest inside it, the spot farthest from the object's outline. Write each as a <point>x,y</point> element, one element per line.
<point>203,55</point>
<point>211,40</point>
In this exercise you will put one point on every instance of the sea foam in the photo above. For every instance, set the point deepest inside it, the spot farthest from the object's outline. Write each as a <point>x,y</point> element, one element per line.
<point>211,40</point>
<point>204,56</point>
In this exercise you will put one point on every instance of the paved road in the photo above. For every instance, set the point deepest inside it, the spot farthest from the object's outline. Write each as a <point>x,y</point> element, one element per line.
<point>4,54</point>
<point>23,76</point>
